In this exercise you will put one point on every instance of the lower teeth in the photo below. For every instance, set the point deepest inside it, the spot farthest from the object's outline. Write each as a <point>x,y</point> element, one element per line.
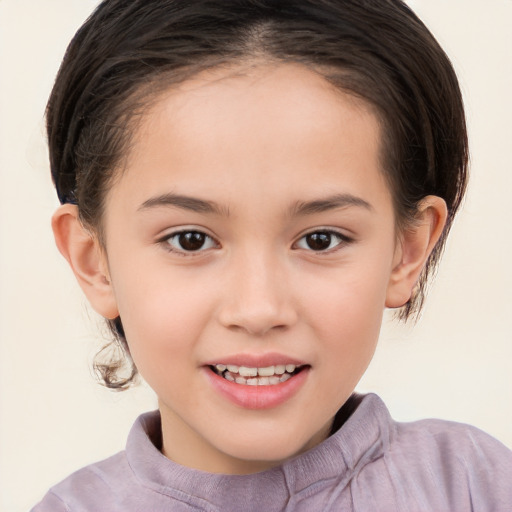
<point>256,381</point>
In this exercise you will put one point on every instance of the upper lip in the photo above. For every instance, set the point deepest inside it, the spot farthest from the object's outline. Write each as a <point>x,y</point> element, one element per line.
<point>256,360</point>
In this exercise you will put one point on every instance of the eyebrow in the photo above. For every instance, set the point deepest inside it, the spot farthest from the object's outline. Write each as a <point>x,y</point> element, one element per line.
<point>185,202</point>
<point>329,203</point>
<point>300,208</point>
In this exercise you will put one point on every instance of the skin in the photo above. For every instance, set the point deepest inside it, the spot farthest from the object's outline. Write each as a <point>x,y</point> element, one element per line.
<point>260,143</point>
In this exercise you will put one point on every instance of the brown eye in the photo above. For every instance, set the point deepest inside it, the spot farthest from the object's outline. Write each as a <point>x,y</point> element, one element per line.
<point>190,241</point>
<point>320,241</point>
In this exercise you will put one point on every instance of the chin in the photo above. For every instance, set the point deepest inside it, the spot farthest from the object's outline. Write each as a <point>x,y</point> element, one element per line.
<point>261,452</point>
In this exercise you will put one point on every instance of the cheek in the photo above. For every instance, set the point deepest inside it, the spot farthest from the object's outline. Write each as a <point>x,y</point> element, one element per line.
<point>162,314</point>
<point>350,298</point>
<point>349,324</point>
<point>345,313</point>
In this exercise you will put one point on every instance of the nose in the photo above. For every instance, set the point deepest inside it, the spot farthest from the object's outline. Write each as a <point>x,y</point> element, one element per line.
<point>257,298</point>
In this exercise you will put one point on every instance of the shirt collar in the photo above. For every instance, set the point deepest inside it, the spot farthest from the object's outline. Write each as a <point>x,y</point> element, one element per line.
<point>363,437</point>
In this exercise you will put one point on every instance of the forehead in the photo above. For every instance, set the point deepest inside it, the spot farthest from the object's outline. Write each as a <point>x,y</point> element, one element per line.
<point>260,94</point>
<point>261,126</point>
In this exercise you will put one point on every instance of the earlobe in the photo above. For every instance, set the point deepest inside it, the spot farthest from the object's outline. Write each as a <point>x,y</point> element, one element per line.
<point>414,248</point>
<point>86,258</point>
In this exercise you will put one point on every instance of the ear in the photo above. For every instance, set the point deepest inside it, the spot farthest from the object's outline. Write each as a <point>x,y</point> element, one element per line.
<point>86,258</point>
<point>413,249</point>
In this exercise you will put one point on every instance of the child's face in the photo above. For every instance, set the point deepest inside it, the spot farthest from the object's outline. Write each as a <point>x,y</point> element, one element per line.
<point>252,227</point>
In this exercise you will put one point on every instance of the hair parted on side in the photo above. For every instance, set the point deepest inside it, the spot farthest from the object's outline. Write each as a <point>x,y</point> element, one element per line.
<point>129,51</point>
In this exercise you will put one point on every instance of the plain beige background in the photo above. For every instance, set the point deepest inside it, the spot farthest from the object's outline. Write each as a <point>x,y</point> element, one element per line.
<point>455,364</point>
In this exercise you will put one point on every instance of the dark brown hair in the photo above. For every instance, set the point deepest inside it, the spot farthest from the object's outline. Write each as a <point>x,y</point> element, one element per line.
<point>129,51</point>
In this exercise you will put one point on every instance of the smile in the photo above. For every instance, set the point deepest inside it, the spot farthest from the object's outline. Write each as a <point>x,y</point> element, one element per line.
<point>267,376</point>
<point>261,381</point>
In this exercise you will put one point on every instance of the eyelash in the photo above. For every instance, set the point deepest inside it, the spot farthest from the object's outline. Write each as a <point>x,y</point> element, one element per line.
<point>166,241</point>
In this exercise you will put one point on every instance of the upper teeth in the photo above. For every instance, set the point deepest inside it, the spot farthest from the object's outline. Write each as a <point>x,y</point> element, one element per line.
<point>245,371</point>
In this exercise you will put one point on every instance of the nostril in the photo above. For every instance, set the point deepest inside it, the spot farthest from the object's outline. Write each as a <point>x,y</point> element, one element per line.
<point>257,323</point>
<point>258,330</point>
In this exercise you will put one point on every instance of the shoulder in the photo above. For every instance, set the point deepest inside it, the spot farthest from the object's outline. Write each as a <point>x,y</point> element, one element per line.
<point>124,482</point>
<point>457,440</point>
<point>431,464</point>
<point>461,459</point>
<point>90,487</point>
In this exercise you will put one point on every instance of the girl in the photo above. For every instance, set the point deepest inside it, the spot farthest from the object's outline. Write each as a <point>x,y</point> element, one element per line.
<point>245,187</point>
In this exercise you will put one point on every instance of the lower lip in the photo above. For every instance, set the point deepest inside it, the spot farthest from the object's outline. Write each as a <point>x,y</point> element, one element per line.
<point>257,397</point>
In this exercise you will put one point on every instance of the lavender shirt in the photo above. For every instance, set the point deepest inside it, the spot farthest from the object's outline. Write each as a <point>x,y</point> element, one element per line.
<point>371,464</point>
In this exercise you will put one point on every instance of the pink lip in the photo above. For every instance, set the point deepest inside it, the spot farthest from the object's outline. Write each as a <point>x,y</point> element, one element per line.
<point>257,397</point>
<point>256,361</point>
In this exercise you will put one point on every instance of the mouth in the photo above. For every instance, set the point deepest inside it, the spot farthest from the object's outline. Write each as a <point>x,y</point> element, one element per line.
<point>252,376</point>
<point>253,382</point>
